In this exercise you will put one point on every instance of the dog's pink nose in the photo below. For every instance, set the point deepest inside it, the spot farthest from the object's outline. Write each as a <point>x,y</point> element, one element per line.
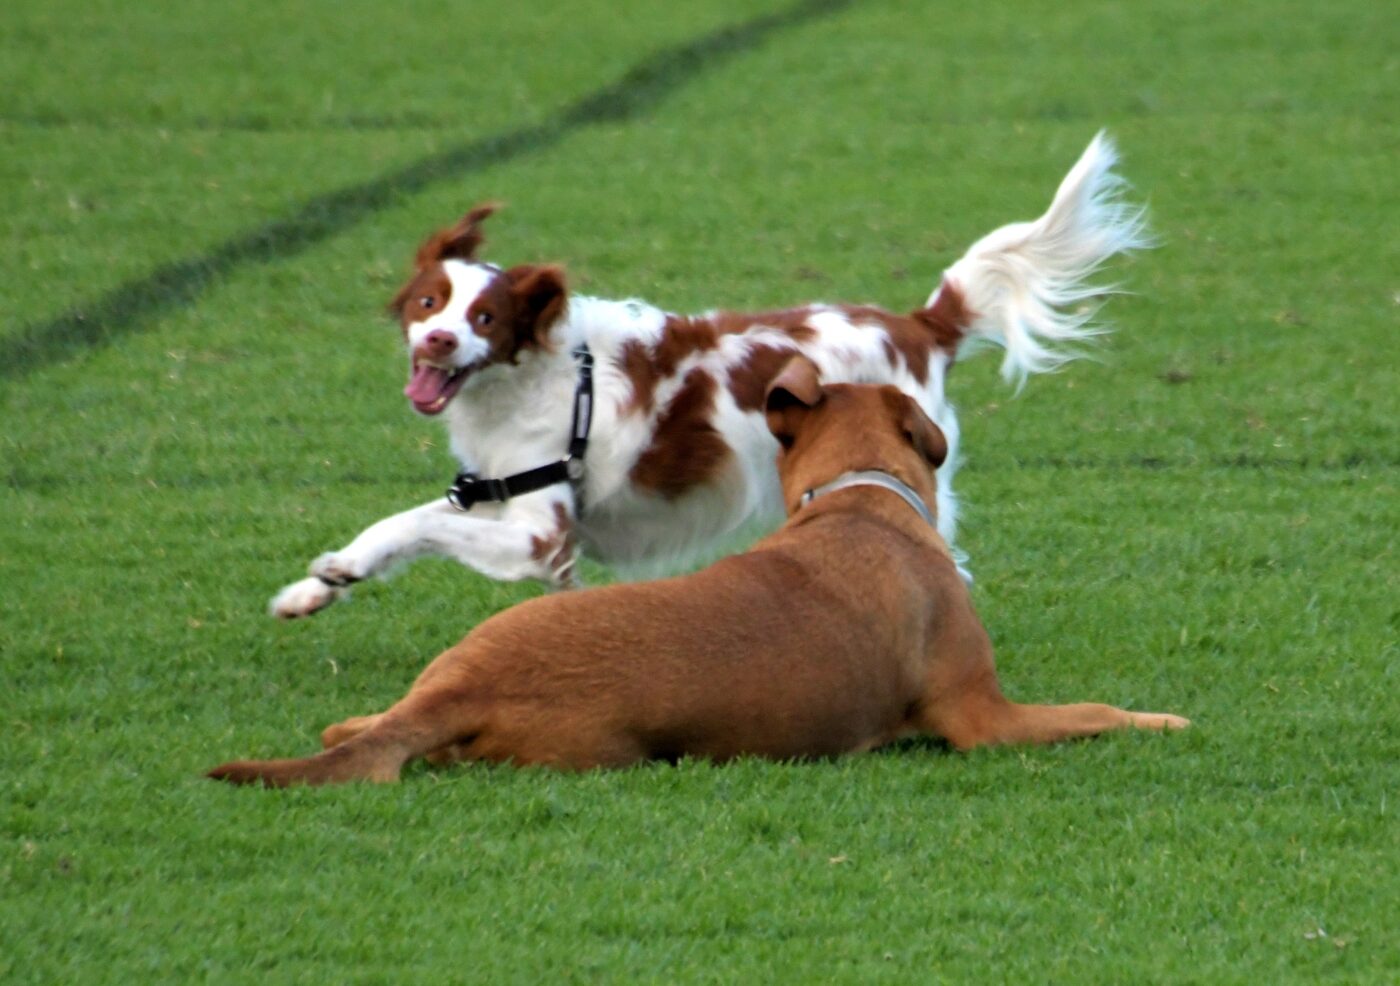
<point>438,344</point>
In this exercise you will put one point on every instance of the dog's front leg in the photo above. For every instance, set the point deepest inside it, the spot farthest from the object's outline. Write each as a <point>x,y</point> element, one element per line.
<point>530,537</point>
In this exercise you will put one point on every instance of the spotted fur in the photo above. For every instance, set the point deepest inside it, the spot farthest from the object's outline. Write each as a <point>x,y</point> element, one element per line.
<point>680,455</point>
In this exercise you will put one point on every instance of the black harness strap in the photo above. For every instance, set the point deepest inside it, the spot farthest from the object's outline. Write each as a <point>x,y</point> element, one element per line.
<point>469,489</point>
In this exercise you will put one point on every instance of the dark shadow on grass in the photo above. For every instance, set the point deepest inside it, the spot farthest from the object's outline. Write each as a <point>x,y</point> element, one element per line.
<point>921,745</point>
<point>135,304</point>
<point>909,747</point>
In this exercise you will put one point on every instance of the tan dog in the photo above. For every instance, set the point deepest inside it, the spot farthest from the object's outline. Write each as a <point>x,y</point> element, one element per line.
<point>846,629</point>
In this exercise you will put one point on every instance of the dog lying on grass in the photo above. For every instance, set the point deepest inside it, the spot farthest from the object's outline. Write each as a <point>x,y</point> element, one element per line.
<point>639,435</point>
<point>846,629</point>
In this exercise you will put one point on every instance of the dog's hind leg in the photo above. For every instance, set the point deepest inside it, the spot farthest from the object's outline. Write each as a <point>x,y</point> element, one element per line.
<point>984,716</point>
<point>963,702</point>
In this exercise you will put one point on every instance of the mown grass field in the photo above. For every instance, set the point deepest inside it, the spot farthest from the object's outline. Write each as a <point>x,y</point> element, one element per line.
<point>205,206</point>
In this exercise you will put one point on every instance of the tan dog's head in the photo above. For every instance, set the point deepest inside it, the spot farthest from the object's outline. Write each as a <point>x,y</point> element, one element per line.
<point>839,428</point>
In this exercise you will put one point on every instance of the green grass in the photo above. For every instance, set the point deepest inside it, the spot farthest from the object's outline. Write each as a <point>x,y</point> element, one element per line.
<point>1204,523</point>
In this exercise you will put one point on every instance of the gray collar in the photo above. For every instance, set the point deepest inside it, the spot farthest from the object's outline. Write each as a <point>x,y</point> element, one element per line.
<point>873,477</point>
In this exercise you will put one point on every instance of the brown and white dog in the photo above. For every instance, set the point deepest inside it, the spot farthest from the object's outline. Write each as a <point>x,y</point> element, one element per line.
<point>678,456</point>
<point>846,629</point>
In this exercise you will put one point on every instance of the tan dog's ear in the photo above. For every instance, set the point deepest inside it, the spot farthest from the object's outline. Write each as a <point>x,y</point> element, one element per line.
<point>795,390</point>
<point>798,382</point>
<point>927,438</point>
<point>459,242</point>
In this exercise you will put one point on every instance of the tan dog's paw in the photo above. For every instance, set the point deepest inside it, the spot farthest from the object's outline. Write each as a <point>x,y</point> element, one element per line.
<point>303,598</point>
<point>1158,720</point>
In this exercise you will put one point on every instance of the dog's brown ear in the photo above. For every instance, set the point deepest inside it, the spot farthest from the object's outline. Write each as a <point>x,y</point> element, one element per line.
<point>459,242</point>
<point>927,438</point>
<point>540,294</point>
<point>796,389</point>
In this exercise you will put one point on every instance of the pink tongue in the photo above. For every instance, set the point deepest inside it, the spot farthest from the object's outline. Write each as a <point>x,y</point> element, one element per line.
<point>426,384</point>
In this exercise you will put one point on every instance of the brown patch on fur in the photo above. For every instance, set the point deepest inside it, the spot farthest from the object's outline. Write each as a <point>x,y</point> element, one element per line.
<point>457,242</point>
<point>912,342</point>
<point>539,294</point>
<point>948,318</point>
<point>460,241</point>
<point>559,549</point>
<point>749,379</point>
<point>792,321</point>
<point>425,295</point>
<point>682,336</point>
<point>646,366</point>
<point>906,337</point>
<point>903,336</point>
<point>686,449</point>
<point>635,362</point>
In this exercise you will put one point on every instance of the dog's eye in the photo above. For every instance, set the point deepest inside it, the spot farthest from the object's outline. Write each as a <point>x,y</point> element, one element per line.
<point>427,301</point>
<point>483,318</point>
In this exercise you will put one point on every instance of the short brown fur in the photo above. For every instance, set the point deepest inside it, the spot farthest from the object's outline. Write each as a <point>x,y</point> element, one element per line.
<point>846,629</point>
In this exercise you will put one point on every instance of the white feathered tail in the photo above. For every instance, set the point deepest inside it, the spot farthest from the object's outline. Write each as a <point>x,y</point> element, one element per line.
<point>1026,286</point>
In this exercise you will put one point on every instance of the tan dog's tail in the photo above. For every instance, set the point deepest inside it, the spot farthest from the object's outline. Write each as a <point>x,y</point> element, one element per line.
<point>1026,286</point>
<point>418,724</point>
<point>360,759</point>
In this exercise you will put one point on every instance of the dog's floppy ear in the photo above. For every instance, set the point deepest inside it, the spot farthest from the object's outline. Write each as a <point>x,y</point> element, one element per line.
<point>798,382</point>
<point>795,390</point>
<point>540,294</point>
<point>927,438</point>
<point>459,242</point>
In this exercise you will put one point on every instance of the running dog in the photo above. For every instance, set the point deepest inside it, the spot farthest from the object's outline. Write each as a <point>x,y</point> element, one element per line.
<point>637,434</point>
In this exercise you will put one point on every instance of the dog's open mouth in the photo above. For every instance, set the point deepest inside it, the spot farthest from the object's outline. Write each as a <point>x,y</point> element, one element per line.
<point>431,387</point>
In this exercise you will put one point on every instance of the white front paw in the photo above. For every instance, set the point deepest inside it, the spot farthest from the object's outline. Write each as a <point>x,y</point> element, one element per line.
<point>304,598</point>
<point>335,569</point>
